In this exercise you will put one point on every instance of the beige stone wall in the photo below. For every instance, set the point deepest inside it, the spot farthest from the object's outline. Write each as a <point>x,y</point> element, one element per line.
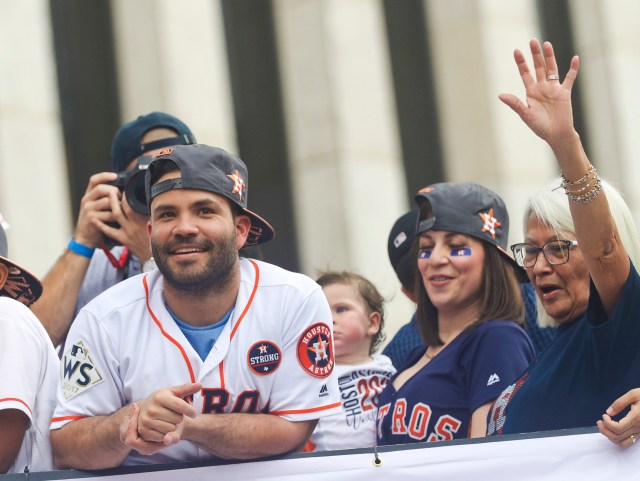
<point>340,115</point>
<point>171,56</point>
<point>484,141</point>
<point>608,41</point>
<point>345,159</point>
<point>34,195</point>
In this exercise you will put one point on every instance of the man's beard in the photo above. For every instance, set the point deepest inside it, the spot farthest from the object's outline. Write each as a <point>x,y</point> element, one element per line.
<point>214,277</point>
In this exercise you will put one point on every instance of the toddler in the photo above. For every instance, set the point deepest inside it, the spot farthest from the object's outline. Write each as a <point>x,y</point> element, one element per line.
<point>358,320</point>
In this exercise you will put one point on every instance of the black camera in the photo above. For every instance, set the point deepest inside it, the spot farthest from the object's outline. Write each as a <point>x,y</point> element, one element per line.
<point>131,182</point>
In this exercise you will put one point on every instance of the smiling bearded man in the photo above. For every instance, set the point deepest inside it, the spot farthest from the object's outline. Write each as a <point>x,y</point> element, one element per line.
<point>211,354</point>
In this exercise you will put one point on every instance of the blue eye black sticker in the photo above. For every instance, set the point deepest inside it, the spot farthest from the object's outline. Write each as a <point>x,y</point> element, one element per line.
<point>464,251</point>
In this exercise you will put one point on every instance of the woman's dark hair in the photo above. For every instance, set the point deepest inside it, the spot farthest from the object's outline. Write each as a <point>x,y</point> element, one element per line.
<point>501,299</point>
<point>372,298</point>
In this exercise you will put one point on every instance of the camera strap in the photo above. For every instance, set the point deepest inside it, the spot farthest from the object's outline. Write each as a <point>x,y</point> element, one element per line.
<point>121,261</point>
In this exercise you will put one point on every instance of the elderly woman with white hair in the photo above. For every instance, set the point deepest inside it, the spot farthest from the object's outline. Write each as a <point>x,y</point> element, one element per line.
<point>579,252</point>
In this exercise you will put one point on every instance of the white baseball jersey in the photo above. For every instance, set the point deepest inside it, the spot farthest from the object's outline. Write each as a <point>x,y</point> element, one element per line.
<point>355,426</point>
<point>275,354</point>
<point>28,381</point>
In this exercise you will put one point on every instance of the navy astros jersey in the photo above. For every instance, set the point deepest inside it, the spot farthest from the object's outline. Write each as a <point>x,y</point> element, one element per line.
<point>437,402</point>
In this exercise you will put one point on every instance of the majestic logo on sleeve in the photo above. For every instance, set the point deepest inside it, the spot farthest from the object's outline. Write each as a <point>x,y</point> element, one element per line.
<point>315,350</point>
<point>78,371</point>
<point>264,357</point>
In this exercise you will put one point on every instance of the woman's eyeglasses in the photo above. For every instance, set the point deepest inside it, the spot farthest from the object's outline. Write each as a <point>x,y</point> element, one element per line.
<point>555,252</point>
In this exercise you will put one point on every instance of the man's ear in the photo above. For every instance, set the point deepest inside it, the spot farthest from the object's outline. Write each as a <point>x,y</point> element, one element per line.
<point>375,319</point>
<point>4,273</point>
<point>243,225</point>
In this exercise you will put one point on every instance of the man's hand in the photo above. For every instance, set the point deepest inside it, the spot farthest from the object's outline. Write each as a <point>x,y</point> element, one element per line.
<point>161,415</point>
<point>132,232</point>
<point>129,434</point>
<point>95,208</point>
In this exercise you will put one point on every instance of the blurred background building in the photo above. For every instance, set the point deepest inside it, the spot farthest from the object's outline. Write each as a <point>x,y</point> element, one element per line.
<point>342,109</point>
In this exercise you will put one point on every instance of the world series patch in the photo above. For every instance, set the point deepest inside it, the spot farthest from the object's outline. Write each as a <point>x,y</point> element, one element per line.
<point>264,357</point>
<point>78,371</point>
<point>315,350</point>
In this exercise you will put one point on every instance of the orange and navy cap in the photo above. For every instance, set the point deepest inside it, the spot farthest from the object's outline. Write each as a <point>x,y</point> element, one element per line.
<point>20,284</point>
<point>211,169</point>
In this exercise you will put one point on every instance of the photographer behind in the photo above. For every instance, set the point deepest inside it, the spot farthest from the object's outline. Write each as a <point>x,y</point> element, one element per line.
<point>110,242</point>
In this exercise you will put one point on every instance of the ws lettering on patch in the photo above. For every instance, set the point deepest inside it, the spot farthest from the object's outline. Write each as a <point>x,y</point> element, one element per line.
<point>78,371</point>
<point>315,350</point>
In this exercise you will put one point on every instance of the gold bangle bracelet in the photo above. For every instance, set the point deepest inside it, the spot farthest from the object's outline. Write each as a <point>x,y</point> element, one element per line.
<point>582,180</point>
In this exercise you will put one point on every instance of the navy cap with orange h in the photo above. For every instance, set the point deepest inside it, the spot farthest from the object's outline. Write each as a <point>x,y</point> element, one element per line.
<point>467,208</point>
<point>211,169</point>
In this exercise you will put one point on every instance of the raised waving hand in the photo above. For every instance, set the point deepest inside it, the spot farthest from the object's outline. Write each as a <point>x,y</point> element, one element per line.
<point>547,111</point>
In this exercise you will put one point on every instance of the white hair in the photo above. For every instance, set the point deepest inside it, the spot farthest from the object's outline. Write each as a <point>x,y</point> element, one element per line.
<point>551,206</point>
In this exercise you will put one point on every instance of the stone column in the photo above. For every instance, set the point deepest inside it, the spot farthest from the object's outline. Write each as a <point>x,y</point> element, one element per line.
<point>171,56</point>
<point>342,130</point>
<point>33,179</point>
<point>608,41</point>
<point>484,141</point>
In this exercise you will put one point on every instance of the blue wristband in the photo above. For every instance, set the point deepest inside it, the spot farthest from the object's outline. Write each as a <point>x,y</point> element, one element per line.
<point>80,249</point>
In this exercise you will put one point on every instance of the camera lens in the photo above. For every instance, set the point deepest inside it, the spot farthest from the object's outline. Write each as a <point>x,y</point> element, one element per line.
<point>135,193</point>
<point>134,189</point>
<point>131,182</point>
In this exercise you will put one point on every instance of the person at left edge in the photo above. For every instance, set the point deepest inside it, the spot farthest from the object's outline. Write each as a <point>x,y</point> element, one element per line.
<point>249,344</point>
<point>28,372</point>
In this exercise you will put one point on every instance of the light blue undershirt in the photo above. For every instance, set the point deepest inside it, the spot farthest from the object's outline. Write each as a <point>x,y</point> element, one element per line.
<point>202,338</point>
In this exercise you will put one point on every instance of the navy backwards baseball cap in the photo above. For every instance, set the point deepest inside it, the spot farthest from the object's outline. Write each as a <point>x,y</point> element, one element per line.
<point>467,208</point>
<point>20,284</point>
<point>211,169</point>
<point>401,237</point>
<point>127,143</point>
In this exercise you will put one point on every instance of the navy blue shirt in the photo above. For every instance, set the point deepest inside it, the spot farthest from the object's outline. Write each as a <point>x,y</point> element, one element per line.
<point>408,336</point>
<point>593,361</point>
<point>437,402</point>
<point>541,337</point>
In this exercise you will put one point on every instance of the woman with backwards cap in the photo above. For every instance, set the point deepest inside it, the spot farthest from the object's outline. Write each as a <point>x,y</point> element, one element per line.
<point>579,237</point>
<point>469,311</point>
<point>28,372</point>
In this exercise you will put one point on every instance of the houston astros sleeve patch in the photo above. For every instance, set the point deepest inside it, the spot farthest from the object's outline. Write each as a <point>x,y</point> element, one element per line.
<point>315,350</point>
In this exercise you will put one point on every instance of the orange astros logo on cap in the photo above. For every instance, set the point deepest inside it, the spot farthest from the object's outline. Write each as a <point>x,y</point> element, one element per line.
<point>490,222</point>
<point>238,184</point>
